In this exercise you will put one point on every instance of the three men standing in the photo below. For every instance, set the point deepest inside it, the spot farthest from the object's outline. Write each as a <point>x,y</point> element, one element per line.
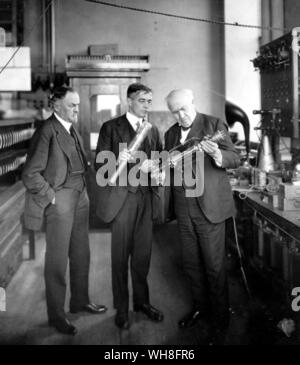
<point>54,177</point>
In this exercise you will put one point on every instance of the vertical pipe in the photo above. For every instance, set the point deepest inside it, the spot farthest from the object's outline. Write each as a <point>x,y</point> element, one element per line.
<point>295,81</point>
<point>265,21</point>
<point>52,54</point>
<point>292,247</point>
<point>272,251</point>
<point>44,37</point>
<point>14,23</point>
<point>261,243</point>
<point>277,18</point>
<point>285,261</point>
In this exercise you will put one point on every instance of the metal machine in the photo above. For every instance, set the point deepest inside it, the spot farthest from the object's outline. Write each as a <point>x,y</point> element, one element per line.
<point>278,63</point>
<point>273,247</point>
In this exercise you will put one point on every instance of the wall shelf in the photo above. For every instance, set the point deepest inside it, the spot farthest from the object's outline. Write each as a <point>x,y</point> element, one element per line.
<point>14,122</point>
<point>16,135</point>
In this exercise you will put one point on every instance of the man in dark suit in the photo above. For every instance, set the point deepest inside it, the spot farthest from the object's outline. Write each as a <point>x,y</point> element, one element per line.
<point>129,208</point>
<point>56,189</point>
<point>201,219</point>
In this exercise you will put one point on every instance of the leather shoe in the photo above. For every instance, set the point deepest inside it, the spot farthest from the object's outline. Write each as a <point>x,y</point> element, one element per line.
<point>90,308</point>
<point>190,319</point>
<point>121,320</point>
<point>151,312</point>
<point>63,326</point>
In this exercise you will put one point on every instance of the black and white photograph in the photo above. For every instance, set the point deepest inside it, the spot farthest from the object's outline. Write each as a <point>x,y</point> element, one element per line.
<point>150,175</point>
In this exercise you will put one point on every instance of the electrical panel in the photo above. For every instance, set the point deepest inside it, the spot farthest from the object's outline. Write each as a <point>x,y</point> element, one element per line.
<point>278,63</point>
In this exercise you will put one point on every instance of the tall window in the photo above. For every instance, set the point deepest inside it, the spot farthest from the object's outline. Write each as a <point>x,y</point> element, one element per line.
<point>103,108</point>
<point>241,45</point>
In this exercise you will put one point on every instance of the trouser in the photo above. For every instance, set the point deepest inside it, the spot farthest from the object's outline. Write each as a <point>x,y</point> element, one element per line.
<point>203,254</point>
<point>132,237</point>
<point>67,238</point>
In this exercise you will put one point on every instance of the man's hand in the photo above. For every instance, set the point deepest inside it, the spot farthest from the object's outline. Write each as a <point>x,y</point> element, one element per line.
<point>53,200</point>
<point>148,166</point>
<point>157,174</point>
<point>125,156</point>
<point>211,148</point>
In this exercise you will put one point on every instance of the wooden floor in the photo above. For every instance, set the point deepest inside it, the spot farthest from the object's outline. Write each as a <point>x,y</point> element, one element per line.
<point>25,321</point>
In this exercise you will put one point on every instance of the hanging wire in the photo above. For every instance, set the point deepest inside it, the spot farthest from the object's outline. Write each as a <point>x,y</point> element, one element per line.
<point>241,258</point>
<point>30,31</point>
<point>211,21</point>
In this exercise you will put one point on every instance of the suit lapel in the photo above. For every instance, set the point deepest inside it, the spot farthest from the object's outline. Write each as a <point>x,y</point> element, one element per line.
<point>197,129</point>
<point>62,138</point>
<point>176,136</point>
<point>124,130</point>
<point>80,143</point>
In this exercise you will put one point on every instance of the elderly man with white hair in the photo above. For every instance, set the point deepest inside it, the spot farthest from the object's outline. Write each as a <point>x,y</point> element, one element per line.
<point>201,219</point>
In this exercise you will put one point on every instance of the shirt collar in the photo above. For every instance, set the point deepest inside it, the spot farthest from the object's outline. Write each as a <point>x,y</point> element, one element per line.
<point>133,119</point>
<point>67,125</point>
<point>184,135</point>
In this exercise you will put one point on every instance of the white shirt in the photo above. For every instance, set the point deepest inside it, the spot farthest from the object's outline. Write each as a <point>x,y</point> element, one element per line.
<point>133,119</point>
<point>65,124</point>
<point>184,135</point>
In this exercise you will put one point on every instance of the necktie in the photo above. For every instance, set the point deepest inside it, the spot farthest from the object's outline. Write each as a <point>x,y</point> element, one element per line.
<point>138,124</point>
<point>184,129</point>
<point>73,134</point>
<point>77,145</point>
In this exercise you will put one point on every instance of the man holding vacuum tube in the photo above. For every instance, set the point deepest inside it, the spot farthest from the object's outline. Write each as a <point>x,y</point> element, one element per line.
<point>201,220</point>
<point>129,208</point>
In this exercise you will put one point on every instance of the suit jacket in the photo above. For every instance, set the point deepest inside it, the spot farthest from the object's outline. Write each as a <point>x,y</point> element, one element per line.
<point>216,202</point>
<point>46,169</point>
<point>113,132</point>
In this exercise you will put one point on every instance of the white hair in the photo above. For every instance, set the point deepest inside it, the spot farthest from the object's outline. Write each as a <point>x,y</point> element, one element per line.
<point>188,93</point>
